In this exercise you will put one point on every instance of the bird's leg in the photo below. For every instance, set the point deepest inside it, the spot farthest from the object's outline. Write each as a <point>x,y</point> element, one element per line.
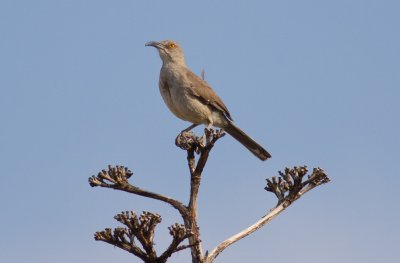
<point>207,132</point>
<point>194,125</point>
<point>182,134</point>
<point>208,128</point>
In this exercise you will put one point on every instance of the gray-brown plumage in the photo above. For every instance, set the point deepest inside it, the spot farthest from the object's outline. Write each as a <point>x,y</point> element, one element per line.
<point>191,99</point>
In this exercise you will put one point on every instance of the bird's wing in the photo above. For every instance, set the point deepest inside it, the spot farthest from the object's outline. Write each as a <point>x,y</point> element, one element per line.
<point>206,94</point>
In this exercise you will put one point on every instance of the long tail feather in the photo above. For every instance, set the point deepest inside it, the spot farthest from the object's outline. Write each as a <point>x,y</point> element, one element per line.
<point>247,142</point>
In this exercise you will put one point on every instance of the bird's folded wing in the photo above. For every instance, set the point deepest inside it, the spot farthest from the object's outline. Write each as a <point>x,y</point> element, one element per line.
<point>206,94</point>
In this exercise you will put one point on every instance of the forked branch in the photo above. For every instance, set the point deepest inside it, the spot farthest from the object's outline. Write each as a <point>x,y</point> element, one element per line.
<point>201,145</point>
<point>140,229</point>
<point>117,178</point>
<point>137,235</point>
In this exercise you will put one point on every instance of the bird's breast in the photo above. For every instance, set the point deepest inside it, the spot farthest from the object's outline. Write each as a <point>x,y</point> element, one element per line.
<point>178,97</point>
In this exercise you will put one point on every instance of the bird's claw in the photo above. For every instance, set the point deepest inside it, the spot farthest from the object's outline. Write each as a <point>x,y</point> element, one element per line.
<point>206,139</point>
<point>188,140</point>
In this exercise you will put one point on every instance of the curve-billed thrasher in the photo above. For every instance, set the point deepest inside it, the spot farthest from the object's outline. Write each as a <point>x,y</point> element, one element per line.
<point>191,99</point>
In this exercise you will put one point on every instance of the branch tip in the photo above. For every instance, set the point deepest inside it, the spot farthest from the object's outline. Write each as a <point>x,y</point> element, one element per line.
<point>113,176</point>
<point>290,182</point>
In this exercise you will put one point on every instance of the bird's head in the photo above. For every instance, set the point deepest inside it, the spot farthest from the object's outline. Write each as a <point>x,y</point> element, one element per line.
<point>169,51</point>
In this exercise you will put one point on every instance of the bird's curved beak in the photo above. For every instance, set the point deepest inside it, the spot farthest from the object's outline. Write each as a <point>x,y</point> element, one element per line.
<point>154,44</point>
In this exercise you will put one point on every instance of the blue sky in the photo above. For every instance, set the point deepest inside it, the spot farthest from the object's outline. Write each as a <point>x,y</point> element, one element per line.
<point>315,82</point>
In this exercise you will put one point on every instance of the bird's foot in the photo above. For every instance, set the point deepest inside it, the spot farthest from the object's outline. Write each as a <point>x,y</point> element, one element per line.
<point>188,140</point>
<point>206,138</point>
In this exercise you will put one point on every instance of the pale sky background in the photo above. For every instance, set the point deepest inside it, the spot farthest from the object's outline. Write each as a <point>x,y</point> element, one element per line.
<point>315,82</point>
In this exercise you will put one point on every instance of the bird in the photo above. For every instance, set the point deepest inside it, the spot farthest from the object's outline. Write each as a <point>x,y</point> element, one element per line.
<point>192,99</point>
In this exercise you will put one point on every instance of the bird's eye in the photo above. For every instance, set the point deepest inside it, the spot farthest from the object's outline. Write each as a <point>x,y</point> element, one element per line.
<point>172,45</point>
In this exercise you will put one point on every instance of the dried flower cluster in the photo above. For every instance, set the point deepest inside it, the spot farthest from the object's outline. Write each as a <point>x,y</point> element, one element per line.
<point>114,175</point>
<point>290,182</point>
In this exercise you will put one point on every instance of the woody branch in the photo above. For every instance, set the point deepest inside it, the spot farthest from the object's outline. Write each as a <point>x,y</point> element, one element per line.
<point>288,187</point>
